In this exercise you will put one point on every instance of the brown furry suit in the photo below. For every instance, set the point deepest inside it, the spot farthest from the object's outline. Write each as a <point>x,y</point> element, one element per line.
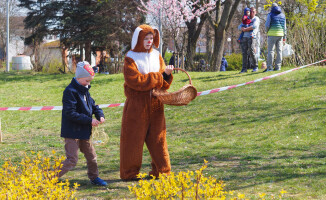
<point>143,118</point>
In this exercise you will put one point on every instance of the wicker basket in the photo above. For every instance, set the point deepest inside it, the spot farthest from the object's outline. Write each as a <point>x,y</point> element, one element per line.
<point>179,98</point>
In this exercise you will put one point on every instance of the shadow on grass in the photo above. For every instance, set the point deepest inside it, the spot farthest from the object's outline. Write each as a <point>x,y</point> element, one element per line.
<point>28,76</point>
<point>32,77</point>
<point>242,171</point>
<point>85,183</point>
<point>219,77</point>
<point>277,115</point>
<point>212,78</point>
<point>312,79</point>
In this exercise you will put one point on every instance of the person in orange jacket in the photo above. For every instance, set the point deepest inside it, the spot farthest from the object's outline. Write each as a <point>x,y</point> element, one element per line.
<point>143,119</point>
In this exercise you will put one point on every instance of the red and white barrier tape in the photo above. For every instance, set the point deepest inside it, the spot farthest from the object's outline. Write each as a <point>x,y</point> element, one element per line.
<point>53,107</point>
<point>254,81</point>
<point>198,94</point>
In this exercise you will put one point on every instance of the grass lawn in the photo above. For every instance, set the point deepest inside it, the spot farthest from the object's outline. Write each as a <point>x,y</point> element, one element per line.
<point>261,137</point>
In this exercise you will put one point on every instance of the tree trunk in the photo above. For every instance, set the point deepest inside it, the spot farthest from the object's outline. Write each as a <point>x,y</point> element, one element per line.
<point>37,66</point>
<point>164,48</point>
<point>64,58</point>
<point>218,49</point>
<point>88,51</point>
<point>191,51</point>
<point>221,24</point>
<point>81,52</point>
<point>193,35</point>
<point>232,40</point>
<point>208,44</point>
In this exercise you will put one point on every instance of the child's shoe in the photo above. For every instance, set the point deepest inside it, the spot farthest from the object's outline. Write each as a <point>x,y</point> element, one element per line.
<point>99,182</point>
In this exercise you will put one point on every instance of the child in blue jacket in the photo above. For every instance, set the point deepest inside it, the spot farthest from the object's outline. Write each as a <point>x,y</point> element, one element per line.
<point>77,122</point>
<point>224,64</point>
<point>245,21</point>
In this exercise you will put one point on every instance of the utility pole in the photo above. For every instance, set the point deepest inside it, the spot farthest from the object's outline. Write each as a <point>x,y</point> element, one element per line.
<point>7,50</point>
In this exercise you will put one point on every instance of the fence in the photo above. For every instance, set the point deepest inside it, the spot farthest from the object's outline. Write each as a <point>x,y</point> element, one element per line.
<point>115,65</point>
<point>112,65</point>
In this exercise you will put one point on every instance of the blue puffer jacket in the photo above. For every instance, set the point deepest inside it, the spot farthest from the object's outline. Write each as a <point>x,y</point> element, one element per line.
<point>276,23</point>
<point>76,113</point>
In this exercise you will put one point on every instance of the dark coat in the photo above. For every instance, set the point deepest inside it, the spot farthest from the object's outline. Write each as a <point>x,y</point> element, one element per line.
<point>171,62</point>
<point>76,113</point>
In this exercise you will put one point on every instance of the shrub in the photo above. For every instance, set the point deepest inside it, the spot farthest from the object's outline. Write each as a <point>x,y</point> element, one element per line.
<point>234,62</point>
<point>53,66</point>
<point>167,57</point>
<point>34,179</point>
<point>185,185</point>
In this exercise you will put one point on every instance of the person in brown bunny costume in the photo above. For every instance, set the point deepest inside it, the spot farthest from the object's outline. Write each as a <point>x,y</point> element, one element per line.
<point>143,118</point>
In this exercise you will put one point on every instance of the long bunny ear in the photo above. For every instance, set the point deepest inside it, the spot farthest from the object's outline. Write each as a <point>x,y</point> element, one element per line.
<point>156,38</point>
<point>135,37</point>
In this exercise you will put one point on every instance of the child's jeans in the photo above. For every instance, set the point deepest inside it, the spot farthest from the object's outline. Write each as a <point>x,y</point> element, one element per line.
<point>85,146</point>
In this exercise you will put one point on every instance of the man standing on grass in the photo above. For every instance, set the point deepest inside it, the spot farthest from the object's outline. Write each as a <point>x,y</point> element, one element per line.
<point>276,31</point>
<point>249,41</point>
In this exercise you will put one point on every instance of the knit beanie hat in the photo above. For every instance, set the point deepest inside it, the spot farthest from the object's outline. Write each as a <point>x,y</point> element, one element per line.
<point>84,69</point>
<point>274,5</point>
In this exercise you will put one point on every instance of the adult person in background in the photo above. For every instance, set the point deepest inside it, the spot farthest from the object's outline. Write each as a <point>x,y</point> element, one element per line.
<point>276,31</point>
<point>172,59</point>
<point>248,42</point>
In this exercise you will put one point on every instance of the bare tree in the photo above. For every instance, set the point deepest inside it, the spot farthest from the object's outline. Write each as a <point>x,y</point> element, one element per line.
<point>220,24</point>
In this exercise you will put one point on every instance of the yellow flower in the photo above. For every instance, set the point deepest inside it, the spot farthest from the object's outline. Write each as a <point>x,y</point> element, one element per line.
<point>283,191</point>
<point>34,178</point>
<point>241,196</point>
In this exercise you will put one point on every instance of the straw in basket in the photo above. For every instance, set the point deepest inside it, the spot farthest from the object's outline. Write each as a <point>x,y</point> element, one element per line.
<point>99,137</point>
<point>179,98</point>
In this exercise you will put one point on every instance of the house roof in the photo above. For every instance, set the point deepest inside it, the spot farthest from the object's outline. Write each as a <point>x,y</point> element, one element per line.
<point>52,44</point>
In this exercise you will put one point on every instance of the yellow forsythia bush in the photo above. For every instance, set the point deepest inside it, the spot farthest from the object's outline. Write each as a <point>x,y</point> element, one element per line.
<point>34,179</point>
<point>186,185</point>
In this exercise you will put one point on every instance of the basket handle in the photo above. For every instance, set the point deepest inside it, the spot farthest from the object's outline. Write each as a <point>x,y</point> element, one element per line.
<point>190,82</point>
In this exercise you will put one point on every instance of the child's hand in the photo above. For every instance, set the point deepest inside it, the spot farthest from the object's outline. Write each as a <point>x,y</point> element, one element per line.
<point>102,120</point>
<point>169,69</point>
<point>95,122</point>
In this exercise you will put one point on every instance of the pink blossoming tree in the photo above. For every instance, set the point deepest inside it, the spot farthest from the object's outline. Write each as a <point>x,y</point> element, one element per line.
<point>175,16</point>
